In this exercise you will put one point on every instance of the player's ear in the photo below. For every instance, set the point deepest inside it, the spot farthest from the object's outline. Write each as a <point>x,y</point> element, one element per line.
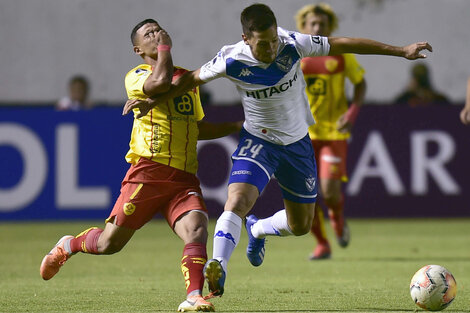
<point>138,51</point>
<point>245,38</point>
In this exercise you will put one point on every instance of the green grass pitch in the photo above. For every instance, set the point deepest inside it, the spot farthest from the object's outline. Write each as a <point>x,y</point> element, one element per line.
<point>371,275</point>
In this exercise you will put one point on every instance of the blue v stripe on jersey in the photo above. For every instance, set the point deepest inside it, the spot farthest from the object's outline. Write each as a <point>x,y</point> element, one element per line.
<point>269,76</point>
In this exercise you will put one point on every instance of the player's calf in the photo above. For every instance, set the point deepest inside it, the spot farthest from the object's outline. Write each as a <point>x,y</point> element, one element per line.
<point>340,227</point>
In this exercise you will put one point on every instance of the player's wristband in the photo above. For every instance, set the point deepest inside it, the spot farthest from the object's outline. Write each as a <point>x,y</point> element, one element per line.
<point>352,113</point>
<point>163,48</point>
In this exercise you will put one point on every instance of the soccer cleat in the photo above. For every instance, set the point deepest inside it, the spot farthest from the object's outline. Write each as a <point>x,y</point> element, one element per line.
<point>57,257</point>
<point>196,304</point>
<point>341,229</point>
<point>215,276</point>
<point>345,238</point>
<point>255,249</point>
<point>322,251</point>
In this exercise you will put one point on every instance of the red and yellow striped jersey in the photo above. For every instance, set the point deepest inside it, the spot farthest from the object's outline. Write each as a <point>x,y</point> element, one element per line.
<point>325,78</point>
<point>168,133</point>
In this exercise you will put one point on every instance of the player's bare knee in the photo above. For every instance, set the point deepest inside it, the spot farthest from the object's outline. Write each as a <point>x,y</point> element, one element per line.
<point>300,229</point>
<point>239,203</point>
<point>297,231</point>
<point>197,234</point>
<point>331,198</point>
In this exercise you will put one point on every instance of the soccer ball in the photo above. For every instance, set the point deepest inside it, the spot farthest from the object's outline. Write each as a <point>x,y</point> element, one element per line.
<point>433,288</point>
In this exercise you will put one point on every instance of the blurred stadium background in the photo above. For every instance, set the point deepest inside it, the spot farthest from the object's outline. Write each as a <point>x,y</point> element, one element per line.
<point>44,42</point>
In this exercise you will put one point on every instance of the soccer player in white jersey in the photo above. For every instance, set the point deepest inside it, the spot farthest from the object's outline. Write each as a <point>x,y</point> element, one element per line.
<point>265,67</point>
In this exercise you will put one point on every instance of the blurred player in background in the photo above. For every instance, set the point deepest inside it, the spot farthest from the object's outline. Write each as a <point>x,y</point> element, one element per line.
<point>420,90</point>
<point>465,113</point>
<point>325,77</point>
<point>78,92</point>
<point>161,178</point>
<point>265,67</point>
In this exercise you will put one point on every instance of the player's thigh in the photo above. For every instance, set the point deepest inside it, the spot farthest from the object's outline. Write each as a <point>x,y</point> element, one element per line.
<point>138,203</point>
<point>186,196</point>
<point>330,188</point>
<point>253,162</point>
<point>331,160</point>
<point>297,172</point>
<point>299,216</point>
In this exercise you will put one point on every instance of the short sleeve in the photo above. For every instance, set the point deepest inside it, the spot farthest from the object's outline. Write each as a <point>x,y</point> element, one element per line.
<point>213,69</point>
<point>199,112</point>
<point>134,82</point>
<point>311,46</point>
<point>354,70</point>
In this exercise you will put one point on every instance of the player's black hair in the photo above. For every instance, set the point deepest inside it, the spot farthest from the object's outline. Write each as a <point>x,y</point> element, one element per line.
<point>138,26</point>
<point>257,17</point>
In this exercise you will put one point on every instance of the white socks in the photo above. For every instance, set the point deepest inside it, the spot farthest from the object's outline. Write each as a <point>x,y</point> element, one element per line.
<point>226,237</point>
<point>275,225</point>
<point>228,228</point>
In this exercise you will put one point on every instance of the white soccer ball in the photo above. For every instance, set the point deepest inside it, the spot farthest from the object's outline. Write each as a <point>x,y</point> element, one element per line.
<point>433,288</point>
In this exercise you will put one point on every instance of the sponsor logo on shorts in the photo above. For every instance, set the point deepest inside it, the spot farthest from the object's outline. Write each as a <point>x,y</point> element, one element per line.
<point>128,208</point>
<point>310,183</point>
<point>241,172</point>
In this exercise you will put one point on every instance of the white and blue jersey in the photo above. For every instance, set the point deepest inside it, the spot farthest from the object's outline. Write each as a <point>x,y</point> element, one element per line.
<point>273,95</point>
<point>275,139</point>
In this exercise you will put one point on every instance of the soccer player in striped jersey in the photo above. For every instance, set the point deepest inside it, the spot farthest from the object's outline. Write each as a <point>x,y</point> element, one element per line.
<point>325,77</point>
<point>161,178</point>
<point>265,67</point>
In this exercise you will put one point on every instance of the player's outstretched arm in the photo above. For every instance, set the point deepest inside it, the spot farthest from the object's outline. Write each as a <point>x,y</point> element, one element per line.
<point>340,45</point>
<point>465,113</point>
<point>208,130</point>
<point>185,82</point>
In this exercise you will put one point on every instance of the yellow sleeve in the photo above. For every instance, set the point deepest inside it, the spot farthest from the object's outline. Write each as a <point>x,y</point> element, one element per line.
<point>353,70</point>
<point>199,112</point>
<point>135,80</point>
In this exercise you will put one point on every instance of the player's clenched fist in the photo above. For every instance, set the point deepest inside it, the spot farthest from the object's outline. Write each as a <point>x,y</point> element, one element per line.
<point>163,38</point>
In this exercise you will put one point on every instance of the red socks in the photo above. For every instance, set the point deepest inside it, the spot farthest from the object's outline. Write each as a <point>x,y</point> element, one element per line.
<point>192,264</point>
<point>318,226</point>
<point>86,241</point>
